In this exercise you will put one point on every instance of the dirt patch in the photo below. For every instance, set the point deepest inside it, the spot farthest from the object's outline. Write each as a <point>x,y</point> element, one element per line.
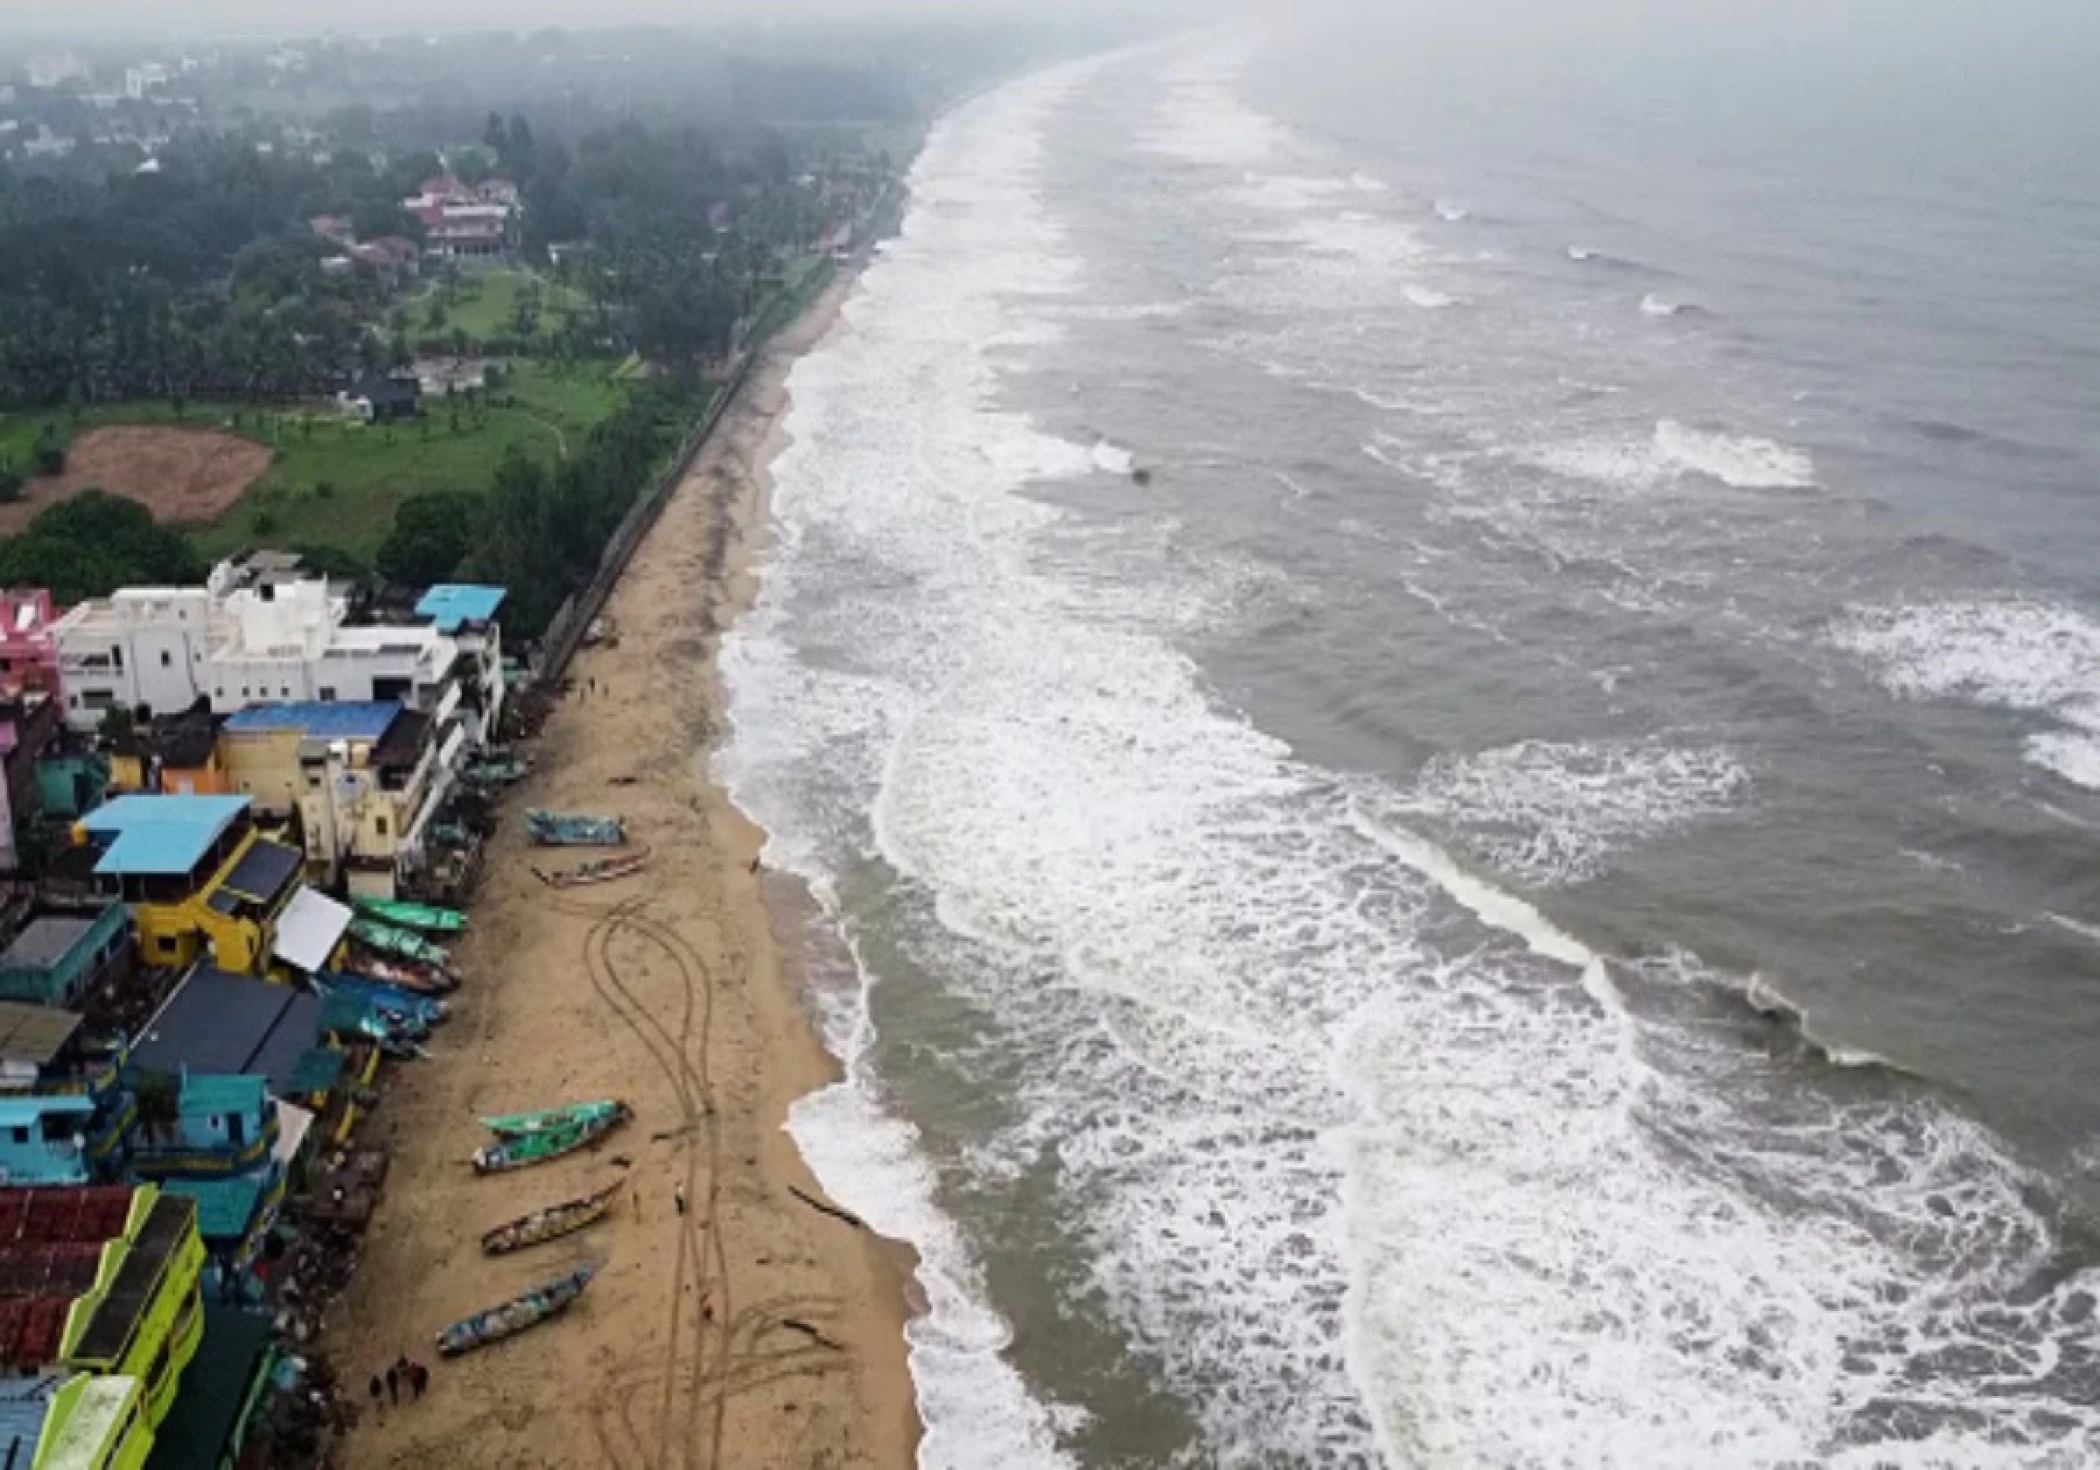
<point>186,477</point>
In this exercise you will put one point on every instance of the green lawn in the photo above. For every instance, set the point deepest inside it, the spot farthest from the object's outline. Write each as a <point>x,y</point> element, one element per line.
<point>482,303</point>
<point>337,484</point>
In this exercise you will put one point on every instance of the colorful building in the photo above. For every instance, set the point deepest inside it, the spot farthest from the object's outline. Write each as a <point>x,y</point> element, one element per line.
<point>97,1422</point>
<point>467,613</point>
<point>176,755</point>
<point>196,875</point>
<point>61,953</point>
<point>142,1318</point>
<point>362,778</point>
<point>28,649</point>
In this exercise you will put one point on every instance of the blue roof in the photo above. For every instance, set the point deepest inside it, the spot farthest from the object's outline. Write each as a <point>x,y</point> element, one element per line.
<point>449,605</point>
<point>209,1094</point>
<point>322,719</point>
<point>24,1405</point>
<point>23,1112</point>
<point>160,834</point>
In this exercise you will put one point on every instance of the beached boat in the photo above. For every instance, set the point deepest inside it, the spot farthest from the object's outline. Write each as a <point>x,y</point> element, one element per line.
<point>424,1007</point>
<point>403,944</point>
<point>596,870</point>
<point>499,770</point>
<point>518,1125</point>
<point>560,829</point>
<point>520,1150</point>
<point>421,978</point>
<point>549,1223</point>
<point>550,1299</point>
<point>421,918</point>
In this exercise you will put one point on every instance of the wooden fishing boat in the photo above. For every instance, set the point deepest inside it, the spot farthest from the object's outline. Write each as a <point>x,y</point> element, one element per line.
<point>423,979</point>
<point>549,1223</point>
<point>421,918</point>
<point>595,870</point>
<point>521,1150</point>
<point>403,944</point>
<point>559,829</point>
<point>545,1301</point>
<point>499,770</point>
<point>518,1125</point>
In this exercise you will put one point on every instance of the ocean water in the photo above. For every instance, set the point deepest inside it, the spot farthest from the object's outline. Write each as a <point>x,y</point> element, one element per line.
<point>1530,899</point>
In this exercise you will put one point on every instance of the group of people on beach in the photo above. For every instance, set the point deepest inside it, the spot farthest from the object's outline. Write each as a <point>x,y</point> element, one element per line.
<point>404,1374</point>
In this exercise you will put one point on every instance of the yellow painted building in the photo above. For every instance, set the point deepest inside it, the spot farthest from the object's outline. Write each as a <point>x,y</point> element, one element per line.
<point>144,1317</point>
<point>359,777</point>
<point>196,876</point>
<point>96,1423</point>
<point>174,756</point>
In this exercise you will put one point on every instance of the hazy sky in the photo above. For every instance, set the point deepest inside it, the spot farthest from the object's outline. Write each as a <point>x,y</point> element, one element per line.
<point>103,19</point>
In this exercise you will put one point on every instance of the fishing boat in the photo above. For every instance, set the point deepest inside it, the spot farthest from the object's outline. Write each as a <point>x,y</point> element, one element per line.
<point>423,979</point>
<point>595,870</point>
<point>499,770</point>
<point>426,1008</point>
<point>404,944</point>
<point>560,829</point>
<point>422,918</point>
<point>520,1150</point>
<point>549,1223</point>
<point>549,1299</point>
<point>518,1125</point>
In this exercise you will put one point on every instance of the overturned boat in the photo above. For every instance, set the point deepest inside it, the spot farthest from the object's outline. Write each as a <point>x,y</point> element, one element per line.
<point>562,829</point>
<point>549,1299</point>
<point>420,918</point>
<point>520,1125</point>
<point>595,870</point>
<point>516,1151</point>
<point>549,1223</point>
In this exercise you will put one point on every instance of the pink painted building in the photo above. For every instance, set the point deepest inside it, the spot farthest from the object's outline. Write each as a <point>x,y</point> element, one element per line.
<point>28,647</point>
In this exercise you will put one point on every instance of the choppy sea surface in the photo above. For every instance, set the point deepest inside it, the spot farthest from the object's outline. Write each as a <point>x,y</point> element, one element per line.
<point>1531,898</point>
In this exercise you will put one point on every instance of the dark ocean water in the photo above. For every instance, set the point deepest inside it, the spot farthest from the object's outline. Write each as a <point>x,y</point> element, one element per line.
<point>1530,898</point>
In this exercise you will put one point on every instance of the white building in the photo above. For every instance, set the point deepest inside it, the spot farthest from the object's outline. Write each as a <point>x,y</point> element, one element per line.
<point>246,639</point>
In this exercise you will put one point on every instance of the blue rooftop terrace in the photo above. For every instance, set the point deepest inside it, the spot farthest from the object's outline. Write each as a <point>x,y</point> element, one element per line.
<point>450,606</point>
<point>320,719</point>
<point>159,835</point>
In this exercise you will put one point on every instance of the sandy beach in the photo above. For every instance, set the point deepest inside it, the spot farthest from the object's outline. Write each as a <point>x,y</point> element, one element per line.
<point>753,1330</point>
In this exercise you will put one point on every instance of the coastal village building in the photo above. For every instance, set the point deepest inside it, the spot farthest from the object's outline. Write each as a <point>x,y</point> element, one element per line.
<point>467,222</point>
<point>102,1282</point>
<point>60,954</point>
<point>28,647</point>
<point>363,779</point>
<point>196,875</point>
<point>258,637</point>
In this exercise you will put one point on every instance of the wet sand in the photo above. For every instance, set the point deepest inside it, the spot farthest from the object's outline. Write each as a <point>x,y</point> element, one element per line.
<point>753,1330</point>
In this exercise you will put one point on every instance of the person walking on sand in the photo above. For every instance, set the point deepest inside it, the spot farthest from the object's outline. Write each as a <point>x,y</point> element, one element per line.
<point>378,1397</point>
<point>418,1377</point>
<point>678,1195</point>
<point>636,1191</point>
<point>393,1386</point>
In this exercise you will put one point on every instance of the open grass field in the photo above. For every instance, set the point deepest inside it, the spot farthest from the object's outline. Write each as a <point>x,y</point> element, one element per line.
<point>483,304</point>
<point>329,482</point>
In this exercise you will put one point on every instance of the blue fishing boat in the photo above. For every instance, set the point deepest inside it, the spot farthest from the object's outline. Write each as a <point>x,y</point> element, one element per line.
<point>550,1299</point>
<point>561,829</point>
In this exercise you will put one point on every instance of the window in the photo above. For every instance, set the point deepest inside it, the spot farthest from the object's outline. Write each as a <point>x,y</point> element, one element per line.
<point>116,657</point>
<point>244,691</point>
<point>167,659</point>
<point>379,825</point>
<point>284,691</point>
<point>20,1135</point>
<point>167,945</point>
<point>328,694</point>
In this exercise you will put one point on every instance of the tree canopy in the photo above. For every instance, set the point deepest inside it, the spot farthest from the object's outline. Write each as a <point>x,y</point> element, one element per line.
<point>92,544</point>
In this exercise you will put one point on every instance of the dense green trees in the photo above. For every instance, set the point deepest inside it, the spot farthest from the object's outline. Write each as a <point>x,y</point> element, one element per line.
<point>430,537</point>
<point>94,543</point>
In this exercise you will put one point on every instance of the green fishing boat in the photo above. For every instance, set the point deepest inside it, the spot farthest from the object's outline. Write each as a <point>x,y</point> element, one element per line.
<point>548,1143</point>
<point>517,1125</point>
<point>404,944</point>
<point>421,917</point>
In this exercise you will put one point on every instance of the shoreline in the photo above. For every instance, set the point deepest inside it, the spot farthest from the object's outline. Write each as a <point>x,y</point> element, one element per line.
<point>755,1330</point>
